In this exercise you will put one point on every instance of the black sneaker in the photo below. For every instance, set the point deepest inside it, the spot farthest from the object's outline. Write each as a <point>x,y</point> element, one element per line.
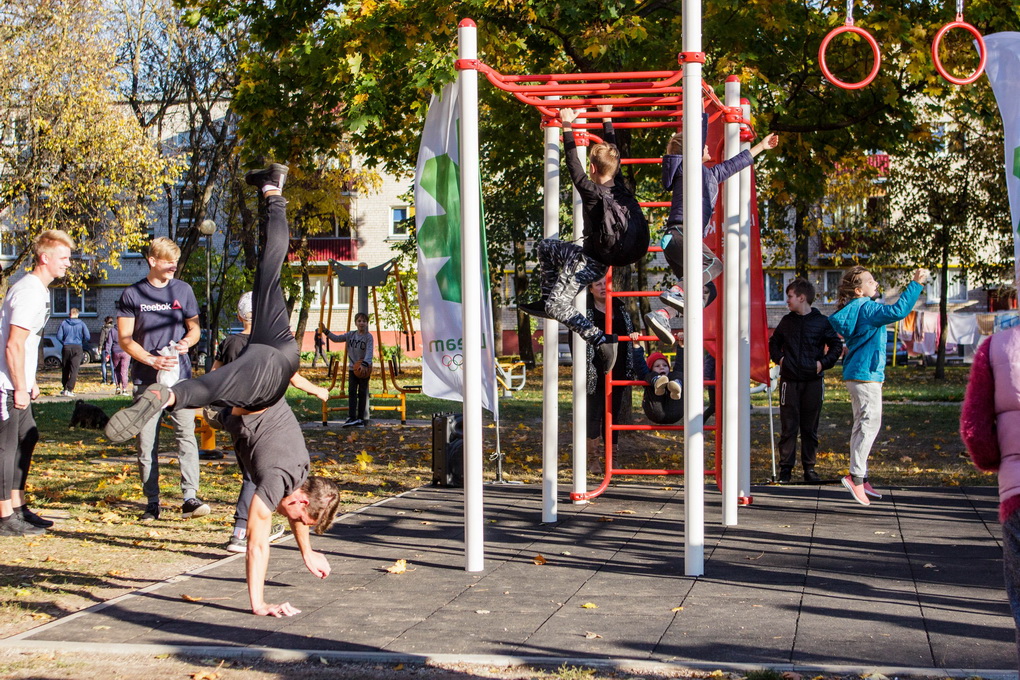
<point>351,422</point>
<point>536,308</point>
<point>811,477</point>
<point>16,526</point>
<point>275,174</point>
<point>193,507</point>
<point>212,417</point>
<point>659,325</point>
<point>151,512</point>
<point>128,422</point>
<point>32,518</point>
<point>606,354</point>
<point>785,475</point>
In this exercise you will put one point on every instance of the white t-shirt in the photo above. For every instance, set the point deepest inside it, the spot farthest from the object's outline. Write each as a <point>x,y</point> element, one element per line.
<point>27,305</point>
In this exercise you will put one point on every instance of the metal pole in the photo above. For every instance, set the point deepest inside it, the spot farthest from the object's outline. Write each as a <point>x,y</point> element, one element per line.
<point>471,287</point>
<point>744,326</point>
<point>208,304</point>
<point>579,370</point>
<point>729,406</point>
<point>551,338</point>
<point>694,407</point>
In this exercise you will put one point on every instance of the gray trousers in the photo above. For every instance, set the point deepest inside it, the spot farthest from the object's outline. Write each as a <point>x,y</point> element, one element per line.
<point>183,421</point>
<point>866,402</point>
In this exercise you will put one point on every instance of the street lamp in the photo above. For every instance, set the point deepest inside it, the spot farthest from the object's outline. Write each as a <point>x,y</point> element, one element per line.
<point>208,228</point>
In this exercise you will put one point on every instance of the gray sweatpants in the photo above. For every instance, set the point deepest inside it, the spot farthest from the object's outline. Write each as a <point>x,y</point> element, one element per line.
<point>866,402</point>
<point>183,421</point>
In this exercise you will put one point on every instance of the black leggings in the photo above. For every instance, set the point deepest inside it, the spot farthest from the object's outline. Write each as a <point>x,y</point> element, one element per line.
<point>258,378</point>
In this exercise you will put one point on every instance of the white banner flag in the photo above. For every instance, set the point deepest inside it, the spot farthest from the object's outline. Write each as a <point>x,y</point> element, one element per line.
<point>437,217</point>
<point>1003,70</point>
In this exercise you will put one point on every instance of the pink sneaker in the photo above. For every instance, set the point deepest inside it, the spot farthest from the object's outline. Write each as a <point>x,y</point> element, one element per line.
<point>868,489</point>
<point>856,490</point>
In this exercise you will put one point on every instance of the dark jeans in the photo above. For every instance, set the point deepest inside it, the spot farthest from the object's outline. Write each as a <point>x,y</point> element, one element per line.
<point>18,437</point>
<point>357,397</point>
<point>70,356</point>
<point>565,271</point>
<point>800,407</point>
<point>259,377</point>
<point>1011,568</point>
<point>663,409</point>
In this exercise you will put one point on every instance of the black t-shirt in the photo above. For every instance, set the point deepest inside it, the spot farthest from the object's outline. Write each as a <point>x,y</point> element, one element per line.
<point>619,328</point>
<point>231,347</point>
<point>159,315</point>
<point>271,447</point>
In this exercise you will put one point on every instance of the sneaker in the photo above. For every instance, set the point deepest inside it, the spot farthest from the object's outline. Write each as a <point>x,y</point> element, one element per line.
<point>236,545</point>
<point>868,489</point>
<point>710,292</point>
<point>361,422</point>
<point>676,390</point>
<point>151,512</point>
<point>856,490</point>
<point>351,422</point>
<point>658,322</point>
<point>275,175</point>
<point>660,385</point>
<point>811,477</point>
<point>16,526</point>
<point>785,475</point>
<point>212,418</point>
<point>606,354</point>
<point>536,308</point>
<point>193,507</point>
<point>128,422</point>
<point>674,297</point>
<point>276,531</point>
<point>32,518</point>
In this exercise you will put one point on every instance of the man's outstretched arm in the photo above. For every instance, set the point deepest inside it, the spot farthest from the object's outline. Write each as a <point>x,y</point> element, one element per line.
<point>257,561</point>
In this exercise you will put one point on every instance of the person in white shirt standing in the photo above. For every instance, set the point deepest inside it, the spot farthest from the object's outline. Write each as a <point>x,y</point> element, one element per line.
<point>24,313</point>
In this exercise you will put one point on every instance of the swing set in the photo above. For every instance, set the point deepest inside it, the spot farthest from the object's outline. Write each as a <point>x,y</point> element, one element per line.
<point>364,278</point>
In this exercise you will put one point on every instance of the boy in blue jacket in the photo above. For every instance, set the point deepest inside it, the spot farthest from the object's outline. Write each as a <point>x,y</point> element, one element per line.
<point>862,321</point>
<point>672,241</point>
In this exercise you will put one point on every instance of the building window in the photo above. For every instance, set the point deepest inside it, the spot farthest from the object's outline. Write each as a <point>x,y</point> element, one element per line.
<point>957,287</point>
<point>400,222</point>
<point>830,293</point>
<point>63,299</point>
<point>775,288</point>
<point>8,243</point>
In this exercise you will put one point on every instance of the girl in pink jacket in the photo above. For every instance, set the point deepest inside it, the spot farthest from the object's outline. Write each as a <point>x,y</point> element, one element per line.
<point>990,428</point>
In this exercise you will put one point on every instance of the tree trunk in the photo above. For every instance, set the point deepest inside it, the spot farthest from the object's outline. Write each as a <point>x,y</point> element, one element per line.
<point>801,238</point>
<point>940,361</point>
<point>497,327</point>
<point>524,348</point>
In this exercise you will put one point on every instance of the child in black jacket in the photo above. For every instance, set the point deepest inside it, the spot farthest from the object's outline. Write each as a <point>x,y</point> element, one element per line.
<point>566,267</point>
<point>804,344</point>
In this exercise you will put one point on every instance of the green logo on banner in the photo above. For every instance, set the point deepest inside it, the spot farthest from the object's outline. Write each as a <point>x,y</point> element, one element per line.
<point>1016,162</point>
<point>439,235</point>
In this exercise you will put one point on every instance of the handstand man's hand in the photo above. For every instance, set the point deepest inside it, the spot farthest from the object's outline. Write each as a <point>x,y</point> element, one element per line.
<point>277,610</point>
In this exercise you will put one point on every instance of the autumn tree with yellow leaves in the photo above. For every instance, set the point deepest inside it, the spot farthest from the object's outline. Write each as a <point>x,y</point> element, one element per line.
<point>73,157</point>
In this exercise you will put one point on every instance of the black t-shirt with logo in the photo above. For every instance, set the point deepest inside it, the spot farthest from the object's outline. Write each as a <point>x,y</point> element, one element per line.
<point>159,315</point>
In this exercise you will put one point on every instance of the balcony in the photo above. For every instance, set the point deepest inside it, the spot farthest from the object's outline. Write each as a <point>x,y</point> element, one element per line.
<point>340,248</point>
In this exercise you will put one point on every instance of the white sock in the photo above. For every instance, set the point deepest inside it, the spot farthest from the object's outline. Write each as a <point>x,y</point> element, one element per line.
<point>269,187</point>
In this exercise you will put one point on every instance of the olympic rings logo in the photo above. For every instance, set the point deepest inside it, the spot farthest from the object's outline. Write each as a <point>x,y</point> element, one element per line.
<point>453,361</point>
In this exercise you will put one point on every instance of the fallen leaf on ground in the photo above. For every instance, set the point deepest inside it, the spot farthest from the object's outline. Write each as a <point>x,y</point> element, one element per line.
<point>605,519</point>
<point>790,675</point>
<point>100,628</point>
<point>539,559</point>
<point>624,512</point>
<point>590,635</point>
<point>208,675</point>
<point>482,611</point>
<point>398,567</point>
<point>589,605</point>
<point>677,609</point>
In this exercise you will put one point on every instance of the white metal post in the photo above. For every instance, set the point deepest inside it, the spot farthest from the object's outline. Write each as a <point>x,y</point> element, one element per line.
<point>579,369</point>
<point>729,406</point>
<point>694,409</point>
<point>551,339</point>
<point>744,326</point>
<point>471,279</point>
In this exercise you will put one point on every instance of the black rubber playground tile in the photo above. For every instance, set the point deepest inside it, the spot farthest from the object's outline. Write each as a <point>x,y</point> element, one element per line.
<point>806,577</point>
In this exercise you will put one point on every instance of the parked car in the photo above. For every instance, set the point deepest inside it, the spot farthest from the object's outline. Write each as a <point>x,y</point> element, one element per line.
<point>51,348</point>
<point>891,346</point>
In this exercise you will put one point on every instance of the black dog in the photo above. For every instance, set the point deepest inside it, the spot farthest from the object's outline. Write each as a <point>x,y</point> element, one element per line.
<point>88,416</point>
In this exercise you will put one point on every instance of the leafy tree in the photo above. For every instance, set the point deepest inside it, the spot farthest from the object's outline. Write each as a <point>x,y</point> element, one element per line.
<point>74,158</point>
<point>948,207</point>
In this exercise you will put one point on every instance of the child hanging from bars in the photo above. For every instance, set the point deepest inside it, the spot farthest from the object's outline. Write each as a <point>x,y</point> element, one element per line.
<point>672,242</point>
<point>615,234</point>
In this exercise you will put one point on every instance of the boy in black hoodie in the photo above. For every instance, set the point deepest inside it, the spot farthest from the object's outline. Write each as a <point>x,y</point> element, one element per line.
<point>804,344</point>
<point>566,268</point>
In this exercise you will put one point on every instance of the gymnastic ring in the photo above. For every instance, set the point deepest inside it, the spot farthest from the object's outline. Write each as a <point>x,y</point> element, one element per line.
<point>959,23</point>
<point>849,28</point>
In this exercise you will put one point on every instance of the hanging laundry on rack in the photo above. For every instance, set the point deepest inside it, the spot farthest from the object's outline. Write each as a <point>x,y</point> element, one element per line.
<point>962,329</point>
<point>986,323</point>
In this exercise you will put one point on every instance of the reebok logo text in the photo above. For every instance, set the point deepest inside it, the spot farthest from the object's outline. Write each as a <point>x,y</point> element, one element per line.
<point>164,307</point>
